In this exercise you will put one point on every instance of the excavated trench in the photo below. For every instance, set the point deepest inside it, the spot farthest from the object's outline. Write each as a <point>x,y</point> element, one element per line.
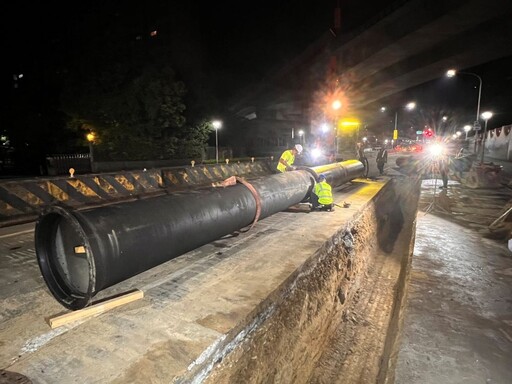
<point>336,319</point>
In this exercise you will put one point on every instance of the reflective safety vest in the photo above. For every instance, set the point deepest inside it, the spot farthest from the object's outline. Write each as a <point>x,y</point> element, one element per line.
<point>324,193</point>
<point>288,157</point>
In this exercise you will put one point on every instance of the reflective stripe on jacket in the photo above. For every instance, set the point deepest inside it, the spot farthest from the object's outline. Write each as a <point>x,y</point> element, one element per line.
<point>324,193</point>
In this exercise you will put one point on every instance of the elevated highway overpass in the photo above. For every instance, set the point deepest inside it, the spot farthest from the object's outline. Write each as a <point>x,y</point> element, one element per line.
<point>414,42</point>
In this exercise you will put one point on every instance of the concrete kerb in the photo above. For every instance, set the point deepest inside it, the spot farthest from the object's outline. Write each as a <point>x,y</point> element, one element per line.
<point>22,200</point>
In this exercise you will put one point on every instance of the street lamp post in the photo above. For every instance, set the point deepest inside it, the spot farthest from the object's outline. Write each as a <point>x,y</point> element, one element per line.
<point>409,106</point>
<point>217,125</point>
<point>395,132</point>
<point>486,116</point>
<point>90,138</point>
<point>302,138</point>
<point>336,105</point>
<point>452,73</point>
<point>443,127</point>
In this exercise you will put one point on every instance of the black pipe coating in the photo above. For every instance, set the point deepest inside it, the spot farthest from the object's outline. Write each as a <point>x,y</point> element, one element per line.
<point>82,252</point>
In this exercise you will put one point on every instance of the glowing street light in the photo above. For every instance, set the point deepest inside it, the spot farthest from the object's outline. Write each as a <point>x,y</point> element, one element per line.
<point>325,127</point>
<point>486,116</point>
<point>336,104</point>
<point>217,124</point>
<point>467,128</point>
<point>383,109</point>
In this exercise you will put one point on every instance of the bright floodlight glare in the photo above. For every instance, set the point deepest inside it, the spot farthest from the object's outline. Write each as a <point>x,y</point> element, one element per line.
<point>301,132</point>
<point>325,128</point>
<point>411,105</point>
<point>316,153</point>
<point>445,118</point>
<point>336,104</point>
<point>436,150</point>
<point>216,124</point>
<point>383,109</point>
<point>467,128</point>
<point>364,139</point>
<point>451,72</point>
<point>486,115</point>
<point>458,133</point>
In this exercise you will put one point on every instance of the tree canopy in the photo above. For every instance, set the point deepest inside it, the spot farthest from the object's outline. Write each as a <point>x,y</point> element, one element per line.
<point>125,89</point>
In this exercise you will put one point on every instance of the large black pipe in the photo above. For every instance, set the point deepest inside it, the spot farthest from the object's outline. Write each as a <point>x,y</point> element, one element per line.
<point>82,252</point>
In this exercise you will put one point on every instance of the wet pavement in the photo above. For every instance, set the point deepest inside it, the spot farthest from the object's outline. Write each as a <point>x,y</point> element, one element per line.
<point>458,315</point>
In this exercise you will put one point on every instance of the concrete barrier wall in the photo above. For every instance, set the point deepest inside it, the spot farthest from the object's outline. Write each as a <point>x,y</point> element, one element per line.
<point>23,200</point>
<point>206,174</point>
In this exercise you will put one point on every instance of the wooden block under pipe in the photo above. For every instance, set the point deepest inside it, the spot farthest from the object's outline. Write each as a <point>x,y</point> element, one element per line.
<point>95,309</point>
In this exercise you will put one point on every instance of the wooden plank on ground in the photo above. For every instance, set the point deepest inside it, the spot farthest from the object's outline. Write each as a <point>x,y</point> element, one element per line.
<point>95,309</point>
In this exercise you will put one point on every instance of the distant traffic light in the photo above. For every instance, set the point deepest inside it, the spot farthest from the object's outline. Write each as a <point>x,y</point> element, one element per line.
<point>428,132</point>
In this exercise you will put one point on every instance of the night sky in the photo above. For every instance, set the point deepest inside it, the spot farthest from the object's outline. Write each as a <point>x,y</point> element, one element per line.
<point>236,42</point>
<point>225,47</point>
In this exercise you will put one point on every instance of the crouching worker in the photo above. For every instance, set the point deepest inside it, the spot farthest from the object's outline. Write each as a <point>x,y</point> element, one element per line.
<point>321,198</point>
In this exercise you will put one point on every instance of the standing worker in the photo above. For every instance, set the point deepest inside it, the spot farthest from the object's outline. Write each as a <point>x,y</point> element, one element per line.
<point>443,170</point>
<point>321,198</point>
<point>288,158</point>
<point>382,158</point>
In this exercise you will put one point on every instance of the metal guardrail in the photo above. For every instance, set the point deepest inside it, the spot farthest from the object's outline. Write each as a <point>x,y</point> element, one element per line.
<point>60,164</point>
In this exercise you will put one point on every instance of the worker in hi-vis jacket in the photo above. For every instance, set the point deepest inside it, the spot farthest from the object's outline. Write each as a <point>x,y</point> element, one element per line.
<point>321,198</point>
<point>288,158</point>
